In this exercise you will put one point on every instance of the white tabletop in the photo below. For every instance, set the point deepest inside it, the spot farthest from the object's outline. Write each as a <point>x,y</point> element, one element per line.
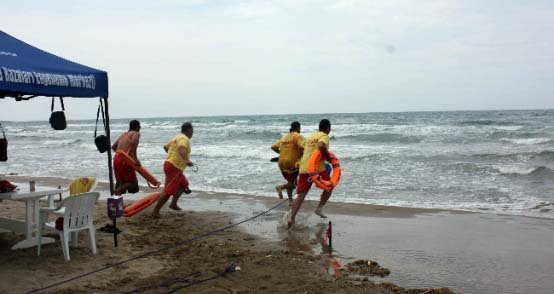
<point>23,193</point>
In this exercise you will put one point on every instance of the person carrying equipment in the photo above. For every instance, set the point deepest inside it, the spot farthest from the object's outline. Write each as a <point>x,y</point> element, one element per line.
<point>178,153</point>
<point>290,149</point>
<point>126,178</point>
<point>318,140</point>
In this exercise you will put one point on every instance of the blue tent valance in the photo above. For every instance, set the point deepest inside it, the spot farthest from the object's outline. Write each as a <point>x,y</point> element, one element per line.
<point>27,70</point>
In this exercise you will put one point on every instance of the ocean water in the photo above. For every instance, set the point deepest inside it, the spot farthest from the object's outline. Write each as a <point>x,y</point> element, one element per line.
<point>488,161</point>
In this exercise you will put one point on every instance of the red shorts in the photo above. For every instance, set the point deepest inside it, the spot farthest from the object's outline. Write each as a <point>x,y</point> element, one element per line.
<point>123,172</point>
<point>290,177</point>
<point>174,179</point>
<point>304,182</point>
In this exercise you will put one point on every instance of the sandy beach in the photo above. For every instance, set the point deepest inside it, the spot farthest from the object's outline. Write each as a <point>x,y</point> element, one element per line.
<point>423,249</point>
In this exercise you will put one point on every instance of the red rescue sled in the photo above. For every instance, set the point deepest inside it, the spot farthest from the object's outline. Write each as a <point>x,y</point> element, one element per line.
<point>141,204</point>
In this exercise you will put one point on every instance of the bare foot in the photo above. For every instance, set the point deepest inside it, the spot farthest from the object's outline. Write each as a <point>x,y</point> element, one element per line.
<point>290,223</point>
<point>290,201</point>
<point>279,191</point>
<point>175,207</point>
<point>319,212</point>
<point>155,215</point>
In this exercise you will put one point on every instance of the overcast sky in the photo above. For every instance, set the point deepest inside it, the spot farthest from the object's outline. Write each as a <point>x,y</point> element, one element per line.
<point>193,58</point>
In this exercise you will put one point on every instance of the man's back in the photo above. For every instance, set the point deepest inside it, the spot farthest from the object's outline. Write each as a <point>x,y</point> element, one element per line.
<point>128,142</point>
<point>289,150</point>
<point>172,148</point>
<point>310,145</point>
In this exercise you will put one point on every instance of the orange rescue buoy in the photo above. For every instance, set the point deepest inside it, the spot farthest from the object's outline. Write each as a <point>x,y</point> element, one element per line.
<point>141,204</point>
<point>149,177</point>
<point>315,158</point>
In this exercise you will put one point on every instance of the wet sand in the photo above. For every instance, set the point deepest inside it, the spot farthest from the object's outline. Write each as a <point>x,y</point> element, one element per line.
<point>466,252</point>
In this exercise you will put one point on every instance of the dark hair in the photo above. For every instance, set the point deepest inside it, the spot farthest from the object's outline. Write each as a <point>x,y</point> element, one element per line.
<point>134,125</point>
<point>324,124</point>
<point>295,126</point>
<point>186,126</point>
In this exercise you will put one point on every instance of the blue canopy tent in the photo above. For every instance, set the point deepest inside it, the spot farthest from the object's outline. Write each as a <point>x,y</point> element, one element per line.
<point>27,72</point>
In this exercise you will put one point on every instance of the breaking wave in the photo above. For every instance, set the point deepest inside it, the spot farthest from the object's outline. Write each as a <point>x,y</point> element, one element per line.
<point>523,171</point>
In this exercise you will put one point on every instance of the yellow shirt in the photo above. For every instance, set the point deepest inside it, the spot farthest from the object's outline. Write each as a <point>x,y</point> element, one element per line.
<point>310,145</point>
<point>289,151</point>
<point>173,155</point>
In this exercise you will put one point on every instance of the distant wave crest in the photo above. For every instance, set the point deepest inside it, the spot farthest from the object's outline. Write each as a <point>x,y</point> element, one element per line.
<point>524,171</point>
<point>529,141</point>
<point>65,142</point>
<point>381,138</point>
<point>546,155</point>
<point>488,122</point>
<point>503,134</point>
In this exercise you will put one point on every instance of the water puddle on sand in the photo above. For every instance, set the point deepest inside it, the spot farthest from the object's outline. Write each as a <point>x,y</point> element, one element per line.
<point>313,240</point>
<point>308,236</point>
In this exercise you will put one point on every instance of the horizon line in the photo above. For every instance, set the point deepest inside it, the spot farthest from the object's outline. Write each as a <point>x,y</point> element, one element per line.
<point>316,113</point>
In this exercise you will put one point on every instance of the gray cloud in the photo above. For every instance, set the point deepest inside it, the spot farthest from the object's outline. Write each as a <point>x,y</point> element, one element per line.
<point>248,57</point>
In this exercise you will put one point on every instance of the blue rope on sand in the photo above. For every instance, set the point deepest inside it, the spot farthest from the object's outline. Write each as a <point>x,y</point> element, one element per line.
<point>180,243</point>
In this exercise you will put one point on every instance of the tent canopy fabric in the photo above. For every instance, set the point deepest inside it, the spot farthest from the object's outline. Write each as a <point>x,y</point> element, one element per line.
<point>27,70</point>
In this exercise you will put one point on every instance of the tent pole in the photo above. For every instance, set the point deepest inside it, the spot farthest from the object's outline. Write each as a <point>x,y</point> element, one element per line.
<point>110,164</point>
<point>110,146</point>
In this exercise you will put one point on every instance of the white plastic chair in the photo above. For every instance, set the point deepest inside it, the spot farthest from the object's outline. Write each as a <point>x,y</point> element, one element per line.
<point>77,216</point>
<point>52,209</point>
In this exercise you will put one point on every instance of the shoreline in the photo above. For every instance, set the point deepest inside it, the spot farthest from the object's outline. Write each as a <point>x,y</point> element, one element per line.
<point>349,208</point>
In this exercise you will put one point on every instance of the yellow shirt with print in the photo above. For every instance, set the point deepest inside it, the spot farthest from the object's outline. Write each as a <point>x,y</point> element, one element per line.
<point>310,145</point>
<point>173,155</point>
<point>289,151</point>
